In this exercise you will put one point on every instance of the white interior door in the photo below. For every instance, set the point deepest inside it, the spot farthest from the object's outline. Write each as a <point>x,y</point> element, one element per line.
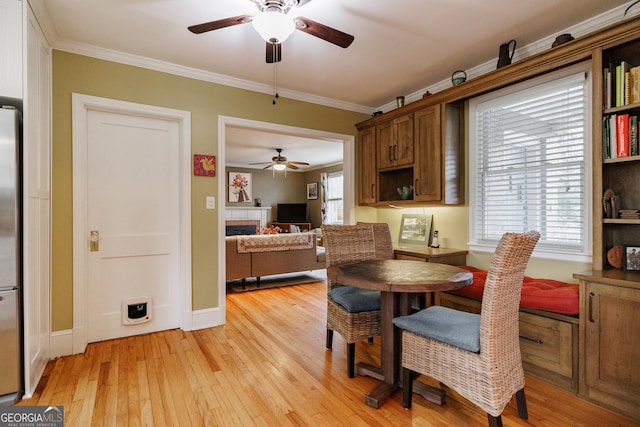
<point>133,204</point>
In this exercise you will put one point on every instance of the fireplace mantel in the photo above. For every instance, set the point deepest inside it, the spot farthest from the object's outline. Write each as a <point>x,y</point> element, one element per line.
<point>243,213</point>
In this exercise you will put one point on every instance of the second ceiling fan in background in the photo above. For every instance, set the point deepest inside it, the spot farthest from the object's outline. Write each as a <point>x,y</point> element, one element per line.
<point>274,25</point>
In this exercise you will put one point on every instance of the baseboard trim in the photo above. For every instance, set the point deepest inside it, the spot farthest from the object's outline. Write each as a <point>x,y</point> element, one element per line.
<point>61,342</point>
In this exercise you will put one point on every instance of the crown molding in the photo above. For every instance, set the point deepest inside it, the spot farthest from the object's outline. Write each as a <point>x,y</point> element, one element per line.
<point>589,26</point>
<point>44,19</point>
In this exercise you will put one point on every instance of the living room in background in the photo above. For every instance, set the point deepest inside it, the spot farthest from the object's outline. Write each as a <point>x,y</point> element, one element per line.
<point>529,150</point>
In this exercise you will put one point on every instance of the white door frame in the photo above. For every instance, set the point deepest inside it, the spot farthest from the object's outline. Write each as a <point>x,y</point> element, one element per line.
<point>82,104</point>
<point>348,171</point>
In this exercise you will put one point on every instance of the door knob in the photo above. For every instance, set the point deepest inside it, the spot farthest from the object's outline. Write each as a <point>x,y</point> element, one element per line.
<point>94,240</point>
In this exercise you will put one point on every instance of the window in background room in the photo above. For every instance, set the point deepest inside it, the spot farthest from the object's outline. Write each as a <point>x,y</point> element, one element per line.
<point>334,198</point>
<point>530,153</point>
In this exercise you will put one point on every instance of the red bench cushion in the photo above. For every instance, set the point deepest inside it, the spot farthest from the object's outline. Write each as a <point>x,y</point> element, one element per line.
<point>540,294</point>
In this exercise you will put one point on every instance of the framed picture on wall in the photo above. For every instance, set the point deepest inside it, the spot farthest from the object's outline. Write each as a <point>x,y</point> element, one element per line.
<point>239,187</point>
<point>415,229</point>
<point>312,191</point>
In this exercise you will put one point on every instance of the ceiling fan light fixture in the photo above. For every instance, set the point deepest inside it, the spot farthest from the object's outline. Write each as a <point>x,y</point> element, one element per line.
<point>273,25</point>
<point>279,166</point>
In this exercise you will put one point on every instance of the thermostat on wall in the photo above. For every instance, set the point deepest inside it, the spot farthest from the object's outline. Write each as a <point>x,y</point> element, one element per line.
<point>136,310</point>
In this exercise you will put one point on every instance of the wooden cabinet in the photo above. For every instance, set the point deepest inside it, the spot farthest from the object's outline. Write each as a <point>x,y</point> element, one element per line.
<point>394,142</point>
<point>610,315</point>
<point>367,165</point>
<point>427,186</point>
<point>422,149</point>
<point>11,48</point>
<point>621,174</point>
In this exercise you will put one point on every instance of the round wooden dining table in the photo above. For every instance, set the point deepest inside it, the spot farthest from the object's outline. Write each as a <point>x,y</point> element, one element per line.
<point>397,280</point>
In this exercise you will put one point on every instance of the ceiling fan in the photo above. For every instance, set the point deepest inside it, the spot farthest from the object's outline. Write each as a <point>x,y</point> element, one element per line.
<point>280,162</point>
<point>274,25</point>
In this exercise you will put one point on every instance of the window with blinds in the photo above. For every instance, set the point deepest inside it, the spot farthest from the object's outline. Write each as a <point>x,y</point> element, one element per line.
<point>334,198</point>
<point>529,151</point>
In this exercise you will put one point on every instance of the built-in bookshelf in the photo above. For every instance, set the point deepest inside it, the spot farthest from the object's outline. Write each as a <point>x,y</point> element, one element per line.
<point>620,150</point>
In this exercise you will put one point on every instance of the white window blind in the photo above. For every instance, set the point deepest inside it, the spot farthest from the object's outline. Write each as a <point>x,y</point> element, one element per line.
<point>528,164</point>
<point>334,198</point>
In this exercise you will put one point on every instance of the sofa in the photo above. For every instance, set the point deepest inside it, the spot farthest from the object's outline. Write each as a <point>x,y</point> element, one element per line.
<point>266,254</point>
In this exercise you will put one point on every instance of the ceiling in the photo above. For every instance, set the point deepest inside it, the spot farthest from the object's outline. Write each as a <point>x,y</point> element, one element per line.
<point>401,47</point>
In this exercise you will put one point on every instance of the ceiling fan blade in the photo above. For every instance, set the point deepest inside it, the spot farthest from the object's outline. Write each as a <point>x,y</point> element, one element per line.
<point>269,165</point>
<point>299,163</point>
<point>290,166</point>
<point>220,23</point>
<point>324,32</point>
<point>274,52</point>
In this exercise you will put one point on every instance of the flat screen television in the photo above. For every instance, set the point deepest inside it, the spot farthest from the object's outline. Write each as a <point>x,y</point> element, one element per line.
<point>291,212</point>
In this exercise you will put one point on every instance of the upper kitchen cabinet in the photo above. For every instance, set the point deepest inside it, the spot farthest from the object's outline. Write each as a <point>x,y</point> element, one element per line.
<point>11,49</point>
<point>394,141</point>
<point>419,157</point>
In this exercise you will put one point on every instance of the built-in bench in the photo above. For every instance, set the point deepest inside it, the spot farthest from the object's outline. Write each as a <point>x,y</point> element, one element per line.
<point>548,324</point>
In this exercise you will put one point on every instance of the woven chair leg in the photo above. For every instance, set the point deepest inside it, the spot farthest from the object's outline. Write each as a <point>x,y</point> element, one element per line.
<point>522,404</point>
<point>351,359</point>
<point>494,421</point>
<point>407,387</point>
<point>329,342</point>
<point>370,340</point>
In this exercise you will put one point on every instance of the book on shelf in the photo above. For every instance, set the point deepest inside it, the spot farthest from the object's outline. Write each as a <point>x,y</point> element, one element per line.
<point>633,135</point>
<point>621,85</point>
<point>606,76</point>
<point>629,214</point>
<point>613,136</point>
<point>634,91</point>
<point>606,138</point>
<point>622,130</point>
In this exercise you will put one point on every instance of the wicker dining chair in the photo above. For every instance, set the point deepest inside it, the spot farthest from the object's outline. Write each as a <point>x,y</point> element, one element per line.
<point>477,355</point>
<point>352,312</point>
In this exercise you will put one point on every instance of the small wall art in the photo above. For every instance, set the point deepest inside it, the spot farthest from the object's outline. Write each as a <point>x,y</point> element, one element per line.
<point>239,187</point>
<point>312,191</point>
<point>204,165</point>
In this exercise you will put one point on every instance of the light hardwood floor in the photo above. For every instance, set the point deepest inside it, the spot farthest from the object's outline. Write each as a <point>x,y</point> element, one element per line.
<point>267,366</point>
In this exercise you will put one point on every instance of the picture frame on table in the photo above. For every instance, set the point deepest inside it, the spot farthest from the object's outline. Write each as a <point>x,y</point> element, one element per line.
<point>312,191</point>
<point>631,259</point>
<point>415,229</point>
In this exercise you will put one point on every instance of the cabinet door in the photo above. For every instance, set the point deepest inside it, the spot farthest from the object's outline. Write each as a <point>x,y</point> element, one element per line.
<point>367,164</point>
<point>612,352</point>
<point>403,144</point>
<point>394,141</point>
<point>428,155</point>
<point>11,48</point>
<point>384,144</point>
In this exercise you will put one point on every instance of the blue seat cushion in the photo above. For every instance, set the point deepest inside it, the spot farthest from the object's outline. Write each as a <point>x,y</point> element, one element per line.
<point>457,328</point>
<point>355,300</point>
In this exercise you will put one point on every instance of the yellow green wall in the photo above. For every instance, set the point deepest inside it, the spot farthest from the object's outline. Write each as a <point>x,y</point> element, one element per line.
<point>206,101</point>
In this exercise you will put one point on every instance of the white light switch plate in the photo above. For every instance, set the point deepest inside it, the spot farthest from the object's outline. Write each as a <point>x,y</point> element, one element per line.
<point>211,202</point>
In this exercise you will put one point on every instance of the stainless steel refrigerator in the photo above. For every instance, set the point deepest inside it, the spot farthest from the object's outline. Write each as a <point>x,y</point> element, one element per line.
<point>11,383</point>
